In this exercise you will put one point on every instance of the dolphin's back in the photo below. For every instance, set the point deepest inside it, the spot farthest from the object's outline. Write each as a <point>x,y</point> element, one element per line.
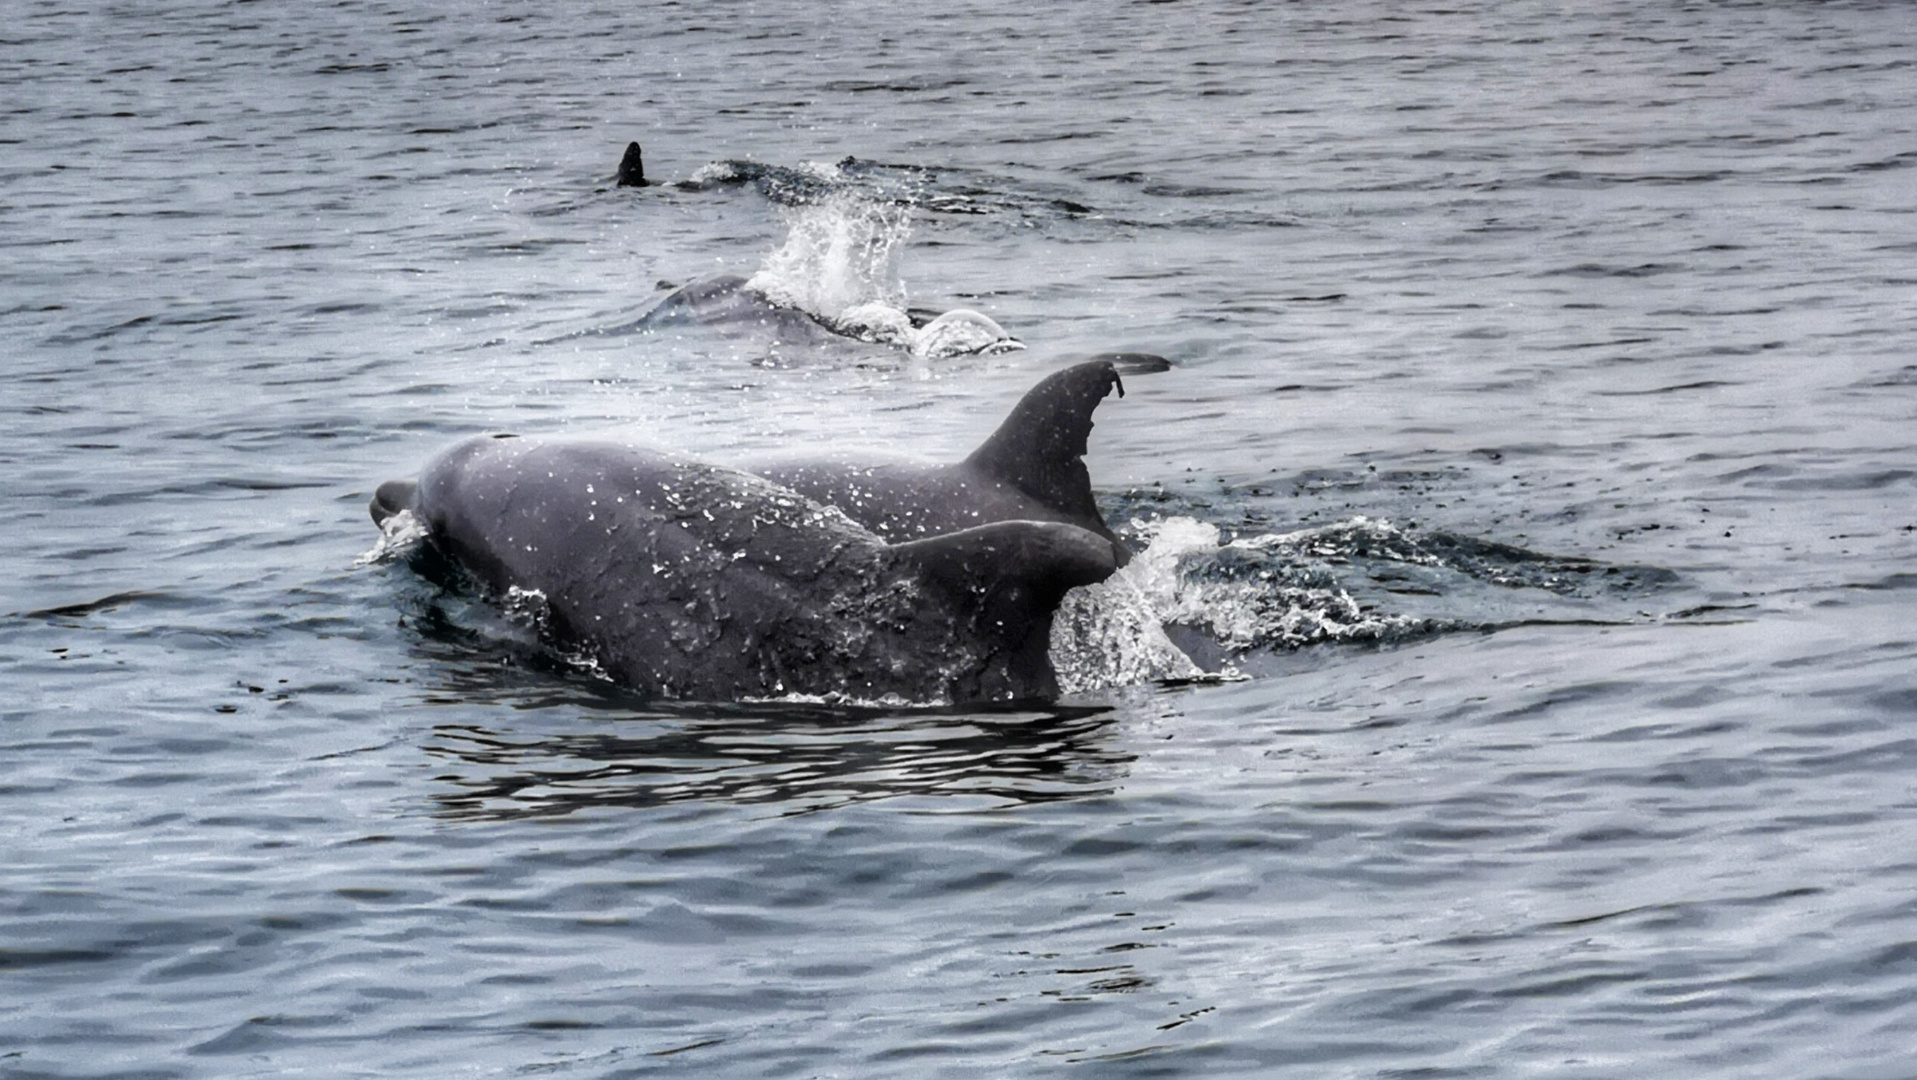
<point>726,302</point>
<point>678,576</point>
<point>1032,468</point>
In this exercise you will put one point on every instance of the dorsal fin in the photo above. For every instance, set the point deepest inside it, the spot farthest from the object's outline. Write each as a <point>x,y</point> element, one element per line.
<point>632,168</point>
<point>1040,448</point>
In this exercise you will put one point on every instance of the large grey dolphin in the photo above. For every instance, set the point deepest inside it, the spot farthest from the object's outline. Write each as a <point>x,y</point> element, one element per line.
<point>690,580</point>
<point>1032,468</point>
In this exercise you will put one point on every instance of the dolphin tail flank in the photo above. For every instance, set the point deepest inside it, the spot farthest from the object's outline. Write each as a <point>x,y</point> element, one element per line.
<point>1016,572</point>
<point>392,497</point>
<point>1040,448</point>
<point>1039,559</point>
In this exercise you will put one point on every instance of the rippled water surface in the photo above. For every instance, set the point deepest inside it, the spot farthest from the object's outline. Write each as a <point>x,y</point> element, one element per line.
<point>1548,373</point>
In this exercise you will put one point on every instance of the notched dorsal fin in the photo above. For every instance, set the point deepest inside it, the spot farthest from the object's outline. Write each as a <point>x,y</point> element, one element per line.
<point>1040,448</point>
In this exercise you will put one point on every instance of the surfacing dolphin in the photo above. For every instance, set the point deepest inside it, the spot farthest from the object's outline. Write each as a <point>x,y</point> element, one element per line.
<point>726,302</point>
<point>729,302</point>
<point>1032,468</point>
<point>688,580</point>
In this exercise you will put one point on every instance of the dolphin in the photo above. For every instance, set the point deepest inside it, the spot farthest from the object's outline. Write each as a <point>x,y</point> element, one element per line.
<point>1031,469</point>
<point>731,302</point>
<point>684,579</point>
<point>725,301</point>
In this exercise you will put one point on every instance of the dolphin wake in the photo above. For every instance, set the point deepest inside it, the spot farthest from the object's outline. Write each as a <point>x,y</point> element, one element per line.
<point>1359,581</point>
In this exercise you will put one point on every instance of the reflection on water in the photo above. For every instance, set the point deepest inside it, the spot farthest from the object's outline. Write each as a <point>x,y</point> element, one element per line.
<point>803,758</point>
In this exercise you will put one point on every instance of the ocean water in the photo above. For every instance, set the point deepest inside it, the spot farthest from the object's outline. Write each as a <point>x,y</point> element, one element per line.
<point>1530,501</point>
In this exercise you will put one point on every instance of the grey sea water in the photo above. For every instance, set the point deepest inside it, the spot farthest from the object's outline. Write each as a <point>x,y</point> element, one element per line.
<point>1547,372</point>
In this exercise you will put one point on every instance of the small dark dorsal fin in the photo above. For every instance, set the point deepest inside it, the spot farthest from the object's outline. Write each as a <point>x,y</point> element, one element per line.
<point>1040,448</point>
<point>632,168</point>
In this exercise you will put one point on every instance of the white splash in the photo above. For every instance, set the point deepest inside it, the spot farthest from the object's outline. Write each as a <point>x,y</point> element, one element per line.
<point>839,264</point>
<point>878,322</point>
<point>1273,591</point>
<point>399,534</point>
<point>1113,633</point>
<point>840,255</point>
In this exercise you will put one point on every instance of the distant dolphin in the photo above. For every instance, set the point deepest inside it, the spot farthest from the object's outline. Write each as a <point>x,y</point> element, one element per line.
<point>689,580</point>
<point>1032,468</point>
<point>632,168</point>
<point>730,302</point>
<point>725,301</point>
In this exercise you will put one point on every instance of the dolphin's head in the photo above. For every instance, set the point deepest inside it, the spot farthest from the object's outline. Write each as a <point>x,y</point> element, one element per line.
<point>875,321</point>
<point>959,332</point>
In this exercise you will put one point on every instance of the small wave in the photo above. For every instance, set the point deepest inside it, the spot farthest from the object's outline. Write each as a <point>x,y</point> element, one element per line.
<point>795,756</point>
<point>936,190</point>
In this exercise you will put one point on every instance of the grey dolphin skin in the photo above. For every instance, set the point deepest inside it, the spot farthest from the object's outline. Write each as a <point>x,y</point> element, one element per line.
<point>689,580</point>
<point>729,303</point>
<point>724,301</point>
<point>1031,469</point>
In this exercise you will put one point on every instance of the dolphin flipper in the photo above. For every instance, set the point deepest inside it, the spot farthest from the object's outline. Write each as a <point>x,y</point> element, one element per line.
<point>1040,448</point>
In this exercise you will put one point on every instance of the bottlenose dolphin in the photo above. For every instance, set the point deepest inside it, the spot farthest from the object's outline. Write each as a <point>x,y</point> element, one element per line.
<point>690,580</point>
<point>730,302</point>
<point>1032,469</point>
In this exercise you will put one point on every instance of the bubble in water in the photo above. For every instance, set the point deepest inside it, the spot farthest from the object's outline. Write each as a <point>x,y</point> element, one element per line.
<point>528,606</point>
